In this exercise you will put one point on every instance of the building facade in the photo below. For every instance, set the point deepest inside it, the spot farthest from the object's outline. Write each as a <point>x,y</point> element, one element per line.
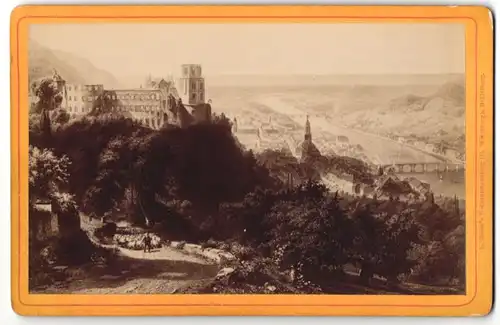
<point>153,104</point>
<point>79,100</point>
<point>143,105</point>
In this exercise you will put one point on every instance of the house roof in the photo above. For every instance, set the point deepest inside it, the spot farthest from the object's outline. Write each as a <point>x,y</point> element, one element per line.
<point>391,184</point>
<point>414,181</point>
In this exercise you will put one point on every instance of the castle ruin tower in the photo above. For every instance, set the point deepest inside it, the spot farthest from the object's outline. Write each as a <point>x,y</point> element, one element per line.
<point>61,88</point>
<point>192,85</point>
<point>307,134</point>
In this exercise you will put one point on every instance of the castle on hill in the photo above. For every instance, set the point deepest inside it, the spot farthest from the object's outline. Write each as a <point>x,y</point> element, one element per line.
<point>156,103</point>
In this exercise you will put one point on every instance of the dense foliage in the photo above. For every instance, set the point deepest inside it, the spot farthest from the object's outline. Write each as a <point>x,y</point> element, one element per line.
<point>198,183</point>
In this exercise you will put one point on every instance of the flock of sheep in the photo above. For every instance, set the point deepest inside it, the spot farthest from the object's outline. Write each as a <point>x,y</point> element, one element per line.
<point>136,241</point>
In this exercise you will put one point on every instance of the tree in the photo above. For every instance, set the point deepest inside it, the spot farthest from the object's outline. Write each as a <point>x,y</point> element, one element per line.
<point>402,235</point>
<point>48,180</point>
<point>47,173</point>
<point>443,261</point>
<point>85,140</point>
<point>222,120</point>
<point>48,95</point>
<point>314,236</point>
<point>210,168</point>
<point>60,117</point>
<point>115,174</point>
<point>49,98</point>
<point>368,240</point>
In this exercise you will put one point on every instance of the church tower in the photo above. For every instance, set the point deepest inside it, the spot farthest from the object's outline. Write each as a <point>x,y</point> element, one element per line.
<point>307,135</point>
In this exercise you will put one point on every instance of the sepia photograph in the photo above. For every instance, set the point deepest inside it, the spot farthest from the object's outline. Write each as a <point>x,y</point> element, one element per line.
<point>247,158</point>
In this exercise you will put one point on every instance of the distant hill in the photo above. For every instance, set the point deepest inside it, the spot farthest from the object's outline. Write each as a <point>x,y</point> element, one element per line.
<point>328,80</point>
<point>74,69</point>
<point>439,116</point>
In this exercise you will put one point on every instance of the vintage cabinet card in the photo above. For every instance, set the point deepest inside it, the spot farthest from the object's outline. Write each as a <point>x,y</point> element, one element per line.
<point>252,160</point>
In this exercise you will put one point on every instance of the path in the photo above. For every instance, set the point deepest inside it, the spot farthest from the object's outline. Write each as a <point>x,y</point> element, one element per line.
<point>135,272</point>
<point>164,270</point>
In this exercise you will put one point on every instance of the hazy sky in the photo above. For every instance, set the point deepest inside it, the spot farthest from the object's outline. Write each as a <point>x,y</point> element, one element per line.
<point>136,49</point>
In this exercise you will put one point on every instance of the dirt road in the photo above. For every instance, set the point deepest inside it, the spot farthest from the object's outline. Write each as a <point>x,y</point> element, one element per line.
<point>162,271</point>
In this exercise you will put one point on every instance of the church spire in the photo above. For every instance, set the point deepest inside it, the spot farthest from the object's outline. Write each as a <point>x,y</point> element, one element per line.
<point>307,135</point>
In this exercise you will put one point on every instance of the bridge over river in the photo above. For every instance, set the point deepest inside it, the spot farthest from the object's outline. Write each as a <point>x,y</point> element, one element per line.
<point>424,167</point>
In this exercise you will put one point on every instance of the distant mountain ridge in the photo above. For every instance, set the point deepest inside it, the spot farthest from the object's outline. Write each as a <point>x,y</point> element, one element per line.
<point>42,61</point>
<point>438,116</point>
<point>311,80</point>
<point>451,95</point>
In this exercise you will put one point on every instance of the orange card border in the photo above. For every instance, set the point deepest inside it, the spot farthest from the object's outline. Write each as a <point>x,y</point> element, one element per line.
<point>479,160</point>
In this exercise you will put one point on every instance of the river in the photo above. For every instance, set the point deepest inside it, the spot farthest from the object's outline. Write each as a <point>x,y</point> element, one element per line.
<point>260,106</point>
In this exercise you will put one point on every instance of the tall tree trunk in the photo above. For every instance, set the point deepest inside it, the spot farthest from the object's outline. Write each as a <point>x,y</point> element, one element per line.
<point>45,126</point>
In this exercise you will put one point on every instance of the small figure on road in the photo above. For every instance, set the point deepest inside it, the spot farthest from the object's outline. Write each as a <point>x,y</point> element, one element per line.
<point>147,243</point>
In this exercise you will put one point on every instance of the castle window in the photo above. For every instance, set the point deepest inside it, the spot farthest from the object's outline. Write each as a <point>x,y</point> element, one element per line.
<point>201,97</point>
<point>185,71</point>
<point>193,96</point>
<point>69,88</point>
<point>76,87</point>
<point>193,86</point>
<point>69,108</point>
